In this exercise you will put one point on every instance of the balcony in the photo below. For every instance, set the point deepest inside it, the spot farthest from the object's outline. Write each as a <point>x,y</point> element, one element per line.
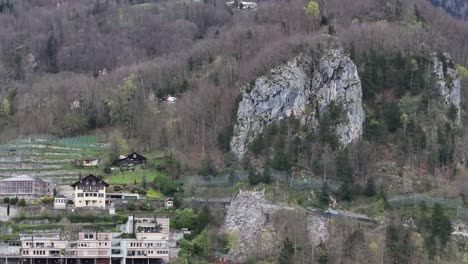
<point>116,244</point>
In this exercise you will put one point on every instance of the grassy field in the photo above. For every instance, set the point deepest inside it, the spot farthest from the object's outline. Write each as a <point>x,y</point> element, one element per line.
<point>131,177</point>
<point>153,194</point>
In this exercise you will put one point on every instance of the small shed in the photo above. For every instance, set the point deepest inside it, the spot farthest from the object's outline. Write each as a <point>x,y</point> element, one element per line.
<point>169,202</point>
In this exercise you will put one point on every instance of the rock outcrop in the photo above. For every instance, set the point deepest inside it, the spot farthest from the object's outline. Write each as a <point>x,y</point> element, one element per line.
<point>257,226</point>
<point>447,81</point>
<point>300,88</point>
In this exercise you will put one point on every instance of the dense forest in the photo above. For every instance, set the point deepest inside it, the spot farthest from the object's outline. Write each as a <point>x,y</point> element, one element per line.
<point>115,58</point>
<point>102,66</point>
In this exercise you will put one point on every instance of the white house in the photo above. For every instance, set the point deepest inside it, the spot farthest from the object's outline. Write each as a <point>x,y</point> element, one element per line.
<point>169,202</point>
<point>90,191</point>
<point>87,162</point>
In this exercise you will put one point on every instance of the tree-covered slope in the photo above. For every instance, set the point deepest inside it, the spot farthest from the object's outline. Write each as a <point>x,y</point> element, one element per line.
<point>456,8</point>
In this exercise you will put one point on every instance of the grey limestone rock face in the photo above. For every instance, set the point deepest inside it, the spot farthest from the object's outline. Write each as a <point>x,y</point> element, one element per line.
<point>249,218</point>
<point>300,88</point>
<point>447,80</point>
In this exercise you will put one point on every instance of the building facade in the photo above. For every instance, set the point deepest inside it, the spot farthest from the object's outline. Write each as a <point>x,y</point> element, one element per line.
<point>90,191</point>
<point>60,202</point>
<point>131,160</point>
<point>26,187</point>
<point>88,162</point>
<point>152,244</point>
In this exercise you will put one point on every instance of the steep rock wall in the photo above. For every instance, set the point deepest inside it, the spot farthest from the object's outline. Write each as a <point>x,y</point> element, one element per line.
<point>447,81</point>
<point>300,88</point>
<point>258,226</point>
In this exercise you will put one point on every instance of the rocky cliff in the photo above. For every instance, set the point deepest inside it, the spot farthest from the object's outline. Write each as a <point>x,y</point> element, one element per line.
<point>447,81</point>
<point>302,88</point>
<point>258,228</point>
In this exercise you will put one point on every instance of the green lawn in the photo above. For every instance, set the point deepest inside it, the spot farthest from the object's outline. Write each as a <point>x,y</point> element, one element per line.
<point>153,194</point>
<point>131,177</point>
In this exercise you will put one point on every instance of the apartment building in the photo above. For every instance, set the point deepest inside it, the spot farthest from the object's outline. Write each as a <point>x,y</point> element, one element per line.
<point>90,191</point>
<point>151,243</point>
<point>27,187</point>
<point>10,252</point>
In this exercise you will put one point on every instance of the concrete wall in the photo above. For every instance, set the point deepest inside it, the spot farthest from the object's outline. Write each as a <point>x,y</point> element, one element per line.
<point>3,213</point>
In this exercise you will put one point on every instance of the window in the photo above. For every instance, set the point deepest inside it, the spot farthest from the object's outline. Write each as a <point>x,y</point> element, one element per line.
<point>80,195</point>
<point>88,236</point>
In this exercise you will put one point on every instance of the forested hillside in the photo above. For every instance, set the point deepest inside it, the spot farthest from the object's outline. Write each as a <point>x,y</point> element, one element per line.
<point>456,8</point>
<point>353,104</point>
<point>113,59</point>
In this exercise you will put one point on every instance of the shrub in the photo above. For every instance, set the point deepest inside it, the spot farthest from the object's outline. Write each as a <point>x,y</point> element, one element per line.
<point>165,185</point>
<point>13,201</point>
<point>22,203</point>
<point>47,200</point>
<point>131,206</point>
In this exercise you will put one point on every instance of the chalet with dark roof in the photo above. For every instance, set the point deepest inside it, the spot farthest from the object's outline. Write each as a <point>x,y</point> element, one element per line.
<point>132,159</point>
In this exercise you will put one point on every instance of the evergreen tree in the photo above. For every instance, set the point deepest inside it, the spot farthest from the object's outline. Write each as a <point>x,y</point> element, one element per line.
<point>347,190</point>
<point>345,172</point>
<point>287,252</point>
<point>452,113</point>
<point>392,116</point>
<point>370,187</point>
<point>398,247</point>
<point>8,209</point>
<point>51,51</point>
<point>324,195</point>
<point>204,218</point>
<point>257,145</point>
<point>144,183</point>
<point>282,161</point>
<point>441,226</point>
<point>254,178</point>
<point>267,174</point>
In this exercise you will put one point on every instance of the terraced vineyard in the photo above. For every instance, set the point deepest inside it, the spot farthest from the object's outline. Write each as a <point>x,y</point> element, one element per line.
<point>49,157</point>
